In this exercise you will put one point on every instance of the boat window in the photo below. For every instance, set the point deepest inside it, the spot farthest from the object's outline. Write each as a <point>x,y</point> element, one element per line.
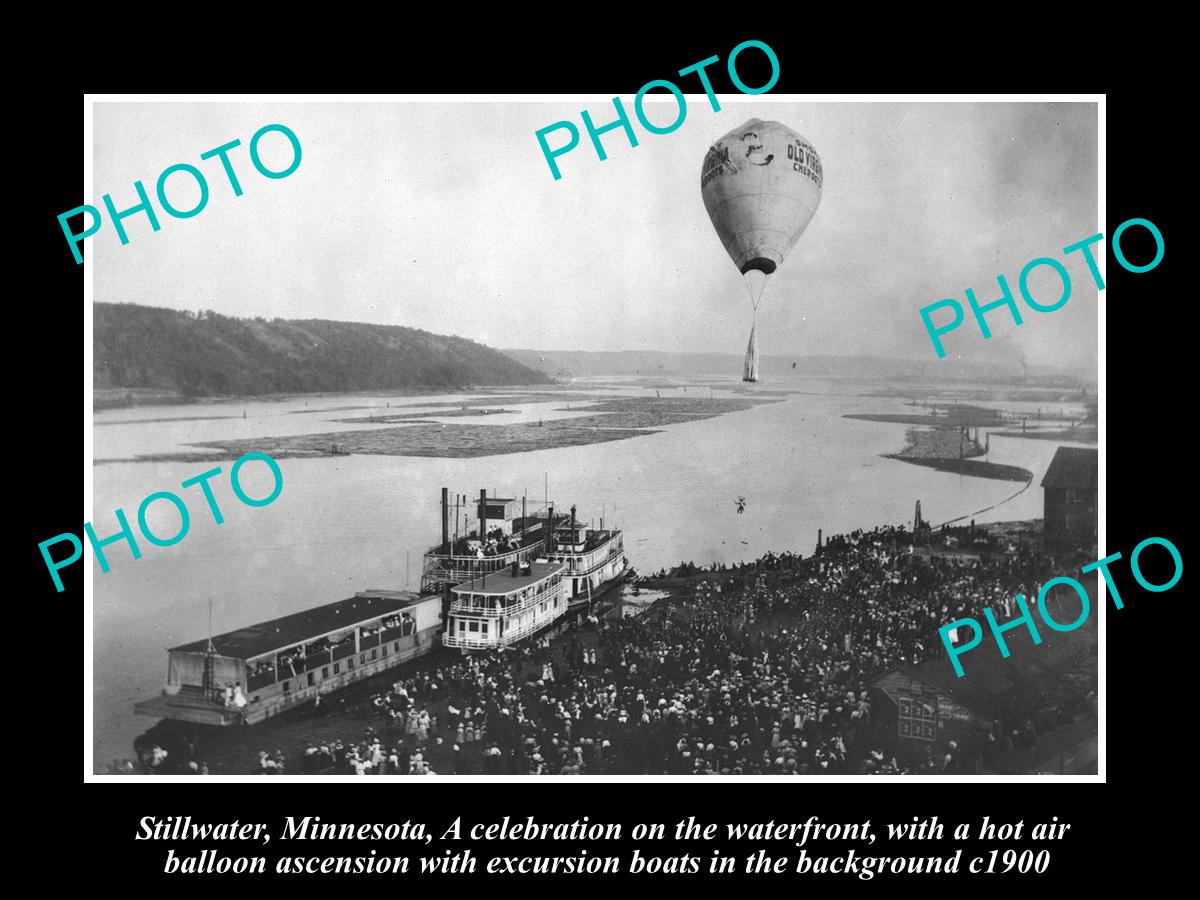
<point>324,671</point>
<point>350,663</point>
<point>374,654</point>
<point>337,668</point>
<point>260,672</point>
<point>320,645</point>
<point>362,658</point>
<point>397,646</point>
<point>483,627</point>
<point>312,678</point>
<point>291,662</point>
<point>287,687</point>
<point>385,649</point>
<point>474,626</point>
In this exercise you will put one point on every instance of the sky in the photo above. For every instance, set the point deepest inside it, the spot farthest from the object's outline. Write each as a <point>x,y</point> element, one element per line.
<point>445,216</point>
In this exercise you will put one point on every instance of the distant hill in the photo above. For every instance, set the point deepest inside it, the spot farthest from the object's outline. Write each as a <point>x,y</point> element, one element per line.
<point>653,362</point>
<point>210,355</point>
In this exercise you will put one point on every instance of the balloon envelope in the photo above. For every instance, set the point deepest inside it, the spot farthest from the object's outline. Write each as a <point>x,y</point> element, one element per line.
<point>761,184</point>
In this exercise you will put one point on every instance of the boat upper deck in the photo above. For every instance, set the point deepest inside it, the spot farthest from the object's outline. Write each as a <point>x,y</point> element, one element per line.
<point>504,582</point>
<point>595,538</point>
<point>286,631</point>
<point>534,536</point>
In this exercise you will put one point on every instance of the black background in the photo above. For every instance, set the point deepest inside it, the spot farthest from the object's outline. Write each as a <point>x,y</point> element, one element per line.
<point>1120,830</point>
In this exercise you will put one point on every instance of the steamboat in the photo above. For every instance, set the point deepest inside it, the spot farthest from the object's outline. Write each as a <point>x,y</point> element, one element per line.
<point>496,578</point>
<point>511,575</point>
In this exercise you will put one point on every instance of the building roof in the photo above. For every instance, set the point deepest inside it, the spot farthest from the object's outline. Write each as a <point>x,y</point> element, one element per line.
<point>992,683</point>
<point>503,582</point>
<point>1073,468</point>
<point>255,640</point>
<point>981,690</point>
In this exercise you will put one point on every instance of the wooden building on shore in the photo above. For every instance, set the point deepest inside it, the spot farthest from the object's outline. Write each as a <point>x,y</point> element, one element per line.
<point>918,711</point>
<point>1070,502</point>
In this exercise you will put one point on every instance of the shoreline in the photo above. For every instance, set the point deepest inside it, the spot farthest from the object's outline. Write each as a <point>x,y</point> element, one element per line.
<point>1073,435</point>
<point>948,446</point>
<point>155,397</point>
<point>974,468</point>
<point>354,715</point>
<point>609,419</point>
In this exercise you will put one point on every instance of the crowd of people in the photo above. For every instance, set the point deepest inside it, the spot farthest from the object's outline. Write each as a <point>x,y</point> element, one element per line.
<point>496,542</point>
<point>764,668</point>
<point>757,668</point>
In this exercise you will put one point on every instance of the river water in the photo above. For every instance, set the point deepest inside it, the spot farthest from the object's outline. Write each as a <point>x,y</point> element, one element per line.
<point>345,524</point>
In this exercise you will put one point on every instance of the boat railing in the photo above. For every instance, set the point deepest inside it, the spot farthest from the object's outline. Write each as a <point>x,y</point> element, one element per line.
<point>528,626</point>
<point>582,564</point>
<point>470,643</point>
<point>489,609</point>
<point>442,568</point>
<point>512,633</point>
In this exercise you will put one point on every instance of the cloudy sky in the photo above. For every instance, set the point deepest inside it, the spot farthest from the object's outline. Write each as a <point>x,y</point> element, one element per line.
<point>444,216</point>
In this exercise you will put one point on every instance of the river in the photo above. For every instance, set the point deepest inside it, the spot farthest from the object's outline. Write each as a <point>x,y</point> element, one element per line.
<point>345,524</point>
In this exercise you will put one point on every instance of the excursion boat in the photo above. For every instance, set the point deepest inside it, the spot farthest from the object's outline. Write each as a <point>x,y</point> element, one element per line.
<point>518,574</point>
<point>482,587</point>
<point>247,675</point>
<point>500,609</point>
<point>593,559</point>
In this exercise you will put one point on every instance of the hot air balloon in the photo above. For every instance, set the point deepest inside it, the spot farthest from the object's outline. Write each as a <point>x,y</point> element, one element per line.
<point>761,184</point>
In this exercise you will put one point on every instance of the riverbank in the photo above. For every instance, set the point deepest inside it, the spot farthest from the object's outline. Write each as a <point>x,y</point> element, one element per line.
<point>942,443</point>
<point>1074,435</point>
<point>952,415</point>
<point>975,468</point>
<point>800,615</point>
<point>136,398</point>
<point>950,448</point>
<point>609,420</point>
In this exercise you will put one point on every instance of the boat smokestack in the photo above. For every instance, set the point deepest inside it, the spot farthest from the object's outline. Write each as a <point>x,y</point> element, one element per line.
<point>483,531</point>
<point>550,531</point>
<point>446,520</point>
